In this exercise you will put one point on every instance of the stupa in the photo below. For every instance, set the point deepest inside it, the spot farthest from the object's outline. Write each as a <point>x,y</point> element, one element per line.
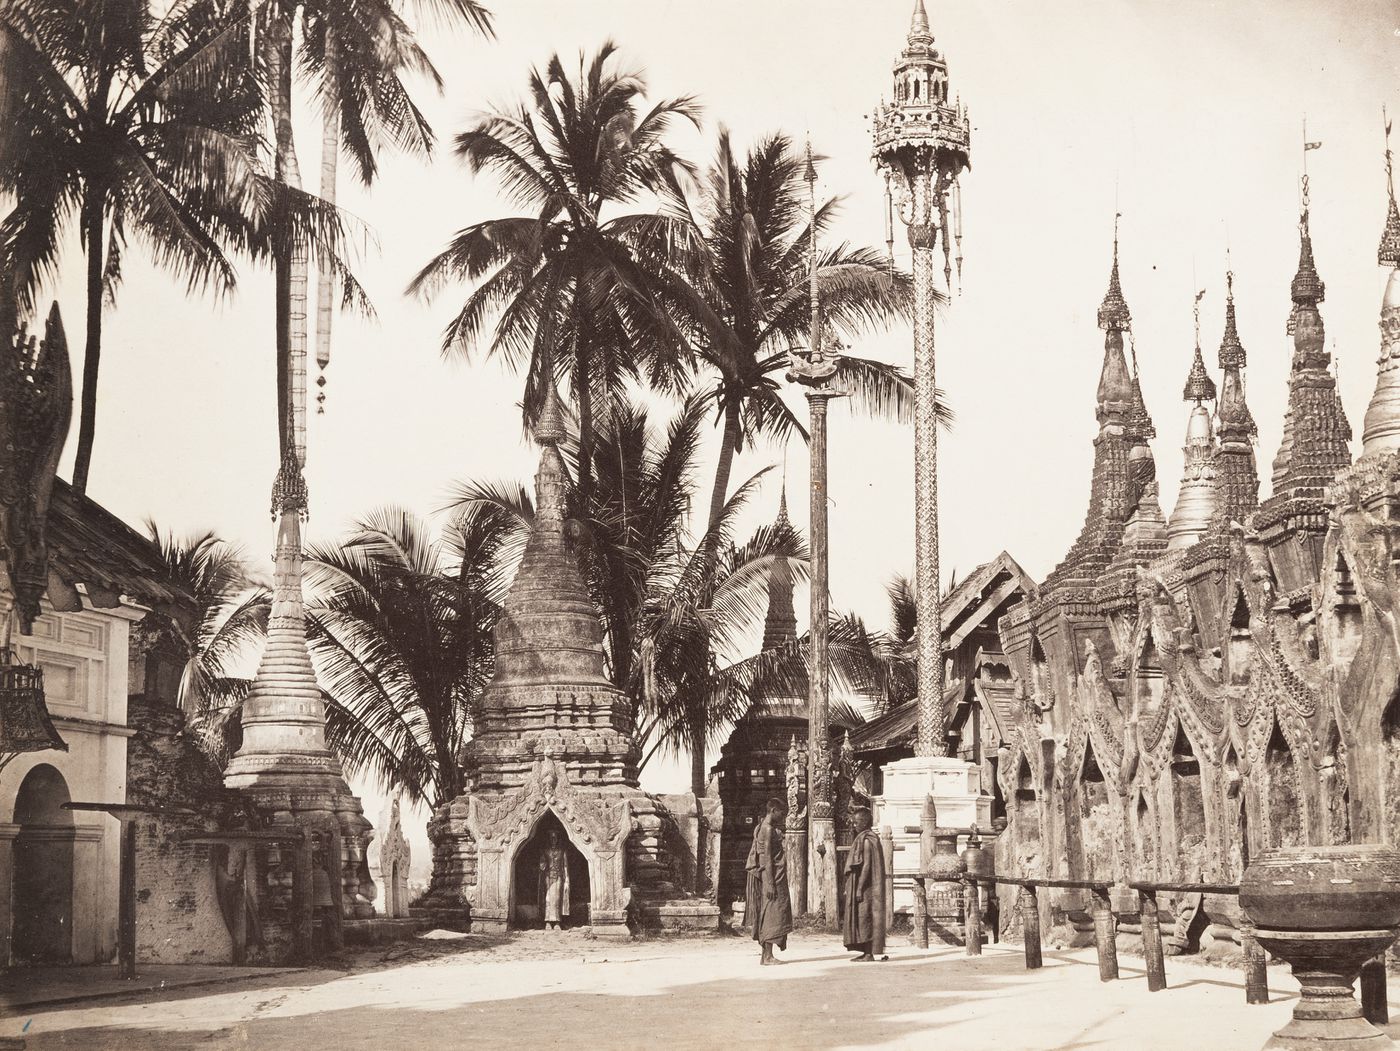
<point>554,752</point>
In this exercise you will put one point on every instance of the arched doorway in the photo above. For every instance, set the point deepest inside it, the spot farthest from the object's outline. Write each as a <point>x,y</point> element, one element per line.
<point>42,902</point>
<point>528,877</point>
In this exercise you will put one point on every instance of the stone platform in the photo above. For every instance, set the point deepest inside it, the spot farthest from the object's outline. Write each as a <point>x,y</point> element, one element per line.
<point>381,930</point>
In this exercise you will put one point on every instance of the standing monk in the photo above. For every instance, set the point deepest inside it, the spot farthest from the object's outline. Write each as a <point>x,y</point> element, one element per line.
<point>768,901</point>
<point>863,917</point>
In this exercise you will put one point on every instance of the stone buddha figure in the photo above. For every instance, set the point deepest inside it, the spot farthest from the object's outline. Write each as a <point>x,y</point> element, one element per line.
<point>554,882</point>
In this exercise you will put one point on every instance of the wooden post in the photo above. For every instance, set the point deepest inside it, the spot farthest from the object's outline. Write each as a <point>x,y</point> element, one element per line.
<point>1152,941</point>
<point>238,883</point>
<point>920,932</point>
<point>1256,972</point>
<point>303,900</point>
<point>972,918</point>
<point>1030,925</point>
<point>887,850</point>
<point>1104,934</point>
<point>335,862</point>
<point>1373,993</point>
<point>126,902</point>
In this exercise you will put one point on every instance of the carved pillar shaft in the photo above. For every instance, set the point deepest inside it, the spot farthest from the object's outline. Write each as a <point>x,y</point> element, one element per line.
<point>818,758</point>
<point>930,615</point>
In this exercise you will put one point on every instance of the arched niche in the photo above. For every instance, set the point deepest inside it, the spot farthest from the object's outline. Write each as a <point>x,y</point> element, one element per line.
<point>1335,794</point>
<point>528,884</point>
<point>1390,770</point>
<point>1150,684</point>
<point>1345,626</point>
<point>42,890</point>
<point>1237,817</point>
<point>1095,818</point>
<point>1027,816</point>
<point>1240,642</point>
<point>1145,838</point>
<point>1283,797</point>
<point>1188,809</point>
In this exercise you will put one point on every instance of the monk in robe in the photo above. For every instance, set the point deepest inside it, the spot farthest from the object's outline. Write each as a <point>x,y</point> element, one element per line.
<point>863,910</point>
<point>554,882</point>
<point>768,901</point>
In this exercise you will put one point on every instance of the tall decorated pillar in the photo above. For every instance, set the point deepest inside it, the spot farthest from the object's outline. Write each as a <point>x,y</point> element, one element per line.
<point>921,142</point>
<point>1195,500</point>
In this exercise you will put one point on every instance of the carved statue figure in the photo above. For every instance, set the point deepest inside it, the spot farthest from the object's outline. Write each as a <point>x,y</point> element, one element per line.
<point>554,882</point>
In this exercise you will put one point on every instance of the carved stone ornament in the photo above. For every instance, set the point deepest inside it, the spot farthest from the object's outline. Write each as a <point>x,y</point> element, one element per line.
<point>36,406</point>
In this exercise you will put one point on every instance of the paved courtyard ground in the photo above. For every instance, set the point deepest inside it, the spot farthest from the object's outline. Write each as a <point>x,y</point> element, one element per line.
<point>536,991</point>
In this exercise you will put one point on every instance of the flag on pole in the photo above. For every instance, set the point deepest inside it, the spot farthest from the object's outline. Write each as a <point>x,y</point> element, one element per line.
<point>1311,146</point>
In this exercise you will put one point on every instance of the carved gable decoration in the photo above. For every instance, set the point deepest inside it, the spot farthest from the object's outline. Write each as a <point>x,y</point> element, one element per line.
<point>597,825</point>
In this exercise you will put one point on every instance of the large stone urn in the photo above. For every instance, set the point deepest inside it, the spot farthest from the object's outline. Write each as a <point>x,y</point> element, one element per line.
<point>1326,910</point>
<point>944,874</point>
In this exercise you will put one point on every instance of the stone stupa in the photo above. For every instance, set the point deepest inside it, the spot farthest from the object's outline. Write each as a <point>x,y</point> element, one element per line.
<point>553,749</point>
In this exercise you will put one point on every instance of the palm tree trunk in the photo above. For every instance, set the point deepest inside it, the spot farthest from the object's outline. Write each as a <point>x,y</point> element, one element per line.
<point>729,444</point>
<point>583,394</point>
<point>92,355</point>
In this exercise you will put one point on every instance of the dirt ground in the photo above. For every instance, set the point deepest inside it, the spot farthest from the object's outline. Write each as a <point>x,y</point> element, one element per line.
<point>537,990</point>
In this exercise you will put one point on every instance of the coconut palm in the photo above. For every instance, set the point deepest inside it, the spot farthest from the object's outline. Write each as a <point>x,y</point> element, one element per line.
<point>124,124</point>
<point>565,285</point>
<point>228,624</point>
<point>746,298</point>
<point>400,628</point>
<point>357,53</point>
<point>682,615</point>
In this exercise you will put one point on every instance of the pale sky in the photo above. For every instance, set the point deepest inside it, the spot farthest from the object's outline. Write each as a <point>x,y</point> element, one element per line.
<point>1189,115</point>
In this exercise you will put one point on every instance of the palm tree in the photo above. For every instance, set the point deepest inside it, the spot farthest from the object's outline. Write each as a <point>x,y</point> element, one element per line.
<point>228,624</point>
<point>400,627</point>
<point>567,287</point>
<point>125,124</point>
<point>746,297</point>
<point>357,51</point>
<point>681,616</point>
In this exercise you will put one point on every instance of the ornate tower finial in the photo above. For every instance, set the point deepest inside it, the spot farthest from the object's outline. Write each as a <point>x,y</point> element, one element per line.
<point>1236,476</point>
<point>919,31</point>
<point>1196,499</point>
<point>1381,433</point>
<point>1388,254</point>
<point>1113,312</point>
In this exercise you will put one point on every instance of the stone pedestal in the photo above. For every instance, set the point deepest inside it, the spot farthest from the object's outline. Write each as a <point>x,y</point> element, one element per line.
<point>956,786</point>
<point>1326,964</point>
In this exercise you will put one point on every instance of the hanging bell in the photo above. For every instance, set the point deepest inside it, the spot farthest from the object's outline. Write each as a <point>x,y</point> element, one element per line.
<point>25,725</point>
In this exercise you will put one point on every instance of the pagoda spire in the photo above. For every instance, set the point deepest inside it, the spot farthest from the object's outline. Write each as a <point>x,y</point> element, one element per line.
<point>1315,429</point>
<point>1381,433</point>
<point>284,714</point>
<point>780,625</point>
<point>1116,387</point>
<point>1236,476</point>
<point>919,30</point>
<point>1195,501</point>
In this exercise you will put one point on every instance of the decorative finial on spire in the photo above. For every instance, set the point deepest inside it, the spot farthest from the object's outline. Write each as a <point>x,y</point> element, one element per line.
<point>1388,254</point>
<point>550,429</point>
<point>1307,288</point>
<point>1199,386</point>
<point>811,176</point>
<point>1113,312</point>
<point>1232,354</point>
<point>919,31</point>
<point>782,521</point>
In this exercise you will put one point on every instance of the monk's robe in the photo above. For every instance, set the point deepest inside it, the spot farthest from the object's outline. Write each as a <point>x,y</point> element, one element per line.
<point>863,911</point>
<point>768,903</point>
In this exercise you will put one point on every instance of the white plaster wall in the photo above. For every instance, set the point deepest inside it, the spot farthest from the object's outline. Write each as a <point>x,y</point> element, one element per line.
<point>84,657</point>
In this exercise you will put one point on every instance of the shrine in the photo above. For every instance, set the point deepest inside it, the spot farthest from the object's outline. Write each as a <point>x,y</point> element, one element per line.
<point>553,751</point>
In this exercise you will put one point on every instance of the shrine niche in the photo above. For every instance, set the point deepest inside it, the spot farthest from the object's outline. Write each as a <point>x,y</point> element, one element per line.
<point>1145,837</point>
<point>1283,800</point>
<point>1096,819</point>
<point>1188,810</point>
<point>535,871</point>
<point>553,737</point>
<point>42,902</point>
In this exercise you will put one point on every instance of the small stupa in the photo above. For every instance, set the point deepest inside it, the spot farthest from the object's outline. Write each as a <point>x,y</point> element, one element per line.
<point>553,752</point>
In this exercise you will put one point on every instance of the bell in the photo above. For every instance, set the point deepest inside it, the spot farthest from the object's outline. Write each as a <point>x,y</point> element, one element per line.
<point>24,720</point>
